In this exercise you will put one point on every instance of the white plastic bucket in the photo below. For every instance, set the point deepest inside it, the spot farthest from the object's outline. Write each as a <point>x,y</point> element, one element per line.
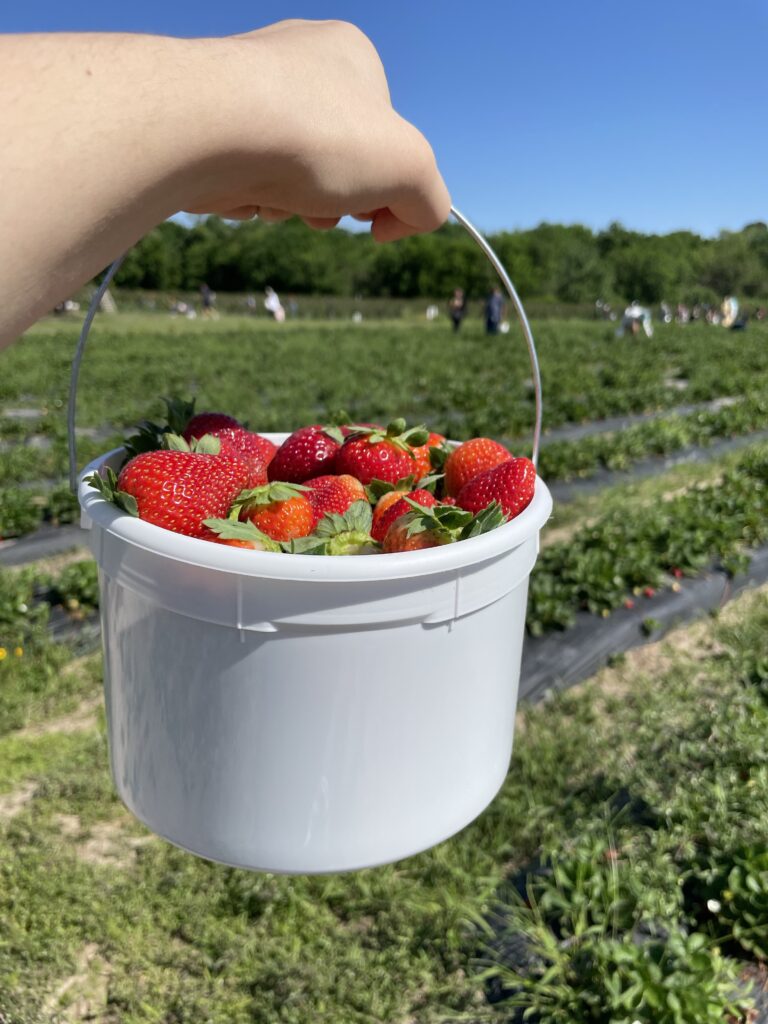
<point>301,714</point>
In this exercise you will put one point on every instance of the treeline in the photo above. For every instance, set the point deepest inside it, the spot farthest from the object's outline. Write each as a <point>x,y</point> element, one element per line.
<point>551,262</point>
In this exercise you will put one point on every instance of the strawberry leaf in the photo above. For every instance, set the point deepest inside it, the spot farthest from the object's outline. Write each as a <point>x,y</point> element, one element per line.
<point>438,455</point>
<point>180,412</point>
<point>376,488</point>
<point>484,521</point>
<point>206,445</point>
<point>231,530</point>
<point>265,495</point>
<point>175,443</point>
<point>148,439</point>
<point>108,489</point>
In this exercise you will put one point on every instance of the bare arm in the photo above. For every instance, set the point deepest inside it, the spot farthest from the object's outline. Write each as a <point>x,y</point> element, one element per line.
<point>104,136</point>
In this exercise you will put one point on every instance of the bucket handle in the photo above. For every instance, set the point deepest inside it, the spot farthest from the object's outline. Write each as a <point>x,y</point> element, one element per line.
<point>482,242</point>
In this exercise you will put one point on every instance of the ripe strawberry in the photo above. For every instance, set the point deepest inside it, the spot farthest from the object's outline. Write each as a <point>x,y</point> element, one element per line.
<point>307,453</point>
<point>175,489</point>
<point>399,508</point>
<point>281,511</point>
<point>511,484</point>
<point>207,423</point>
<point>470,459</point>
<point>384,502</point>
<point>333,494</point>
<point>440,524</point>
<point>422,456</point>
<point>257,451</point>
<point>373,454</point>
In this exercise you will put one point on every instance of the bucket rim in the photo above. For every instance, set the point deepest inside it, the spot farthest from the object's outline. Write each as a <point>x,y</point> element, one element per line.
<point>99,513</point>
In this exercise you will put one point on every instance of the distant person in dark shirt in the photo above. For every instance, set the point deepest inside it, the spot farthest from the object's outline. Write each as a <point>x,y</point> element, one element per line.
<point>457,307</point>
<point>494,311</point>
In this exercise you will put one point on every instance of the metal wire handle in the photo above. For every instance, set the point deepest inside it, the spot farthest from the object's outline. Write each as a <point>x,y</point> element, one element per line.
<point>471,230</point>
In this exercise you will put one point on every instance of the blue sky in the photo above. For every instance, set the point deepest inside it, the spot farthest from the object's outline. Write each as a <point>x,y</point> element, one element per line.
<point>654,114</point>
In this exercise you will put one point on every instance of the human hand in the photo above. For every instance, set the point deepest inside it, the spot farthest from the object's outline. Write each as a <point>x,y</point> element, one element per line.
<point>302,123</point>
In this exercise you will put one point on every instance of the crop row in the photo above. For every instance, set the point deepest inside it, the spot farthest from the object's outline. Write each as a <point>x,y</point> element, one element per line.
<point>623,553</point>
<point>27,595</point>
<point>564,460</point>
<point>466,385</point>
<point>632,548</point>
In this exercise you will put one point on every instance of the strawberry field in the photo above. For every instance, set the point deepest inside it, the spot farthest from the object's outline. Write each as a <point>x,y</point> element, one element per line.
<point>628,886</point>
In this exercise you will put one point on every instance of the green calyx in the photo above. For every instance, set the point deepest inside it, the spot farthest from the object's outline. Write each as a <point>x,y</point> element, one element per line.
<point>448,523</point>
<point>396,434</point>
<point>205,445</point>
<point>230,529</point>
<point>179,412</point>
<point>107,487</point>
<point>150,435</point>
<point>339,535</point>
<point>265,495</point>
<point>438,455</point>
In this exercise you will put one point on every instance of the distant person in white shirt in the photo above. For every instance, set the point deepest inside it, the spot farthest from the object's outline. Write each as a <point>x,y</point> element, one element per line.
<point>272,304</point>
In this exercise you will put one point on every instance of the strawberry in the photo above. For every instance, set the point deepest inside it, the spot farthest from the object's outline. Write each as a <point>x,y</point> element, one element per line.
<point>384,502</point>
<point>511,484</point>
<point>371,453</point>
<point>175,489</point>
<point>423,456</point>
<point>382,523</point>
<point>281,511</point>
<point>207,423</point>
<point>440,524</point>
<point>470,459</point>
<point>307,453</point>
<point>333,494</point>
<point>257,451</point>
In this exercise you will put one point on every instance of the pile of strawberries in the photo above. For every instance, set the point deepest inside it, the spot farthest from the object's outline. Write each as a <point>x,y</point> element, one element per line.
<point>331,490</point>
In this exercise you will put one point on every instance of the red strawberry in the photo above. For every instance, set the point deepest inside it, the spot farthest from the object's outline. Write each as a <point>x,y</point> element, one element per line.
<point>308,452</point>
<point>421,454</point>
<point>397,539</point>
<point>470,459</point>
<point>373,454</point>
<point>176,489</point>
<point>208,422</point>
<point>333,494</point>
<point>281,511</point>
<point>257,451</point>
<point>439,524</point>
<point>385,501</point>
<point>399,508</point>
<point>511,484</point>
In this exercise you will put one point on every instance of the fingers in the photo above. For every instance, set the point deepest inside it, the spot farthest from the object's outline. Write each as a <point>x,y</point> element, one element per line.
<point>273,216</point>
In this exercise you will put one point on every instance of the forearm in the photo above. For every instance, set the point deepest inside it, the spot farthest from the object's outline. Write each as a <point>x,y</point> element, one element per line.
<point>98,137</point>
<point>104,136</point>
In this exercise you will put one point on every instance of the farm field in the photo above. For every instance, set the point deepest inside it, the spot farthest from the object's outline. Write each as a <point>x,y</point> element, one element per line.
<point>621,874</point>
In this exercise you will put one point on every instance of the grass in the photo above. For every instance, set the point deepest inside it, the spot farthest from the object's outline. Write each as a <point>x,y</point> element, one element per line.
<point>632,803</point>
<point>679,775</point>
<point>465,385</point>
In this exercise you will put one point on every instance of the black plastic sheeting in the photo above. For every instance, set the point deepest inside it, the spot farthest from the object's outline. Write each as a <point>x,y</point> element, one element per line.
<point>46,541</point>
<point>558,660</point>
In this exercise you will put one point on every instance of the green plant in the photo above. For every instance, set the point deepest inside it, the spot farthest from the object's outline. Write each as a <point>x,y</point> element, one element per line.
<point>77,586</point>
<point>62,506</point>
<point>727,892</point>
<point>667,977</point>
<point>22,619</point>
<point>20,512</point>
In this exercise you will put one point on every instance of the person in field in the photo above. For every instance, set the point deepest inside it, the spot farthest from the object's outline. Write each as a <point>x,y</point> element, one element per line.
<point>293,119</point>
